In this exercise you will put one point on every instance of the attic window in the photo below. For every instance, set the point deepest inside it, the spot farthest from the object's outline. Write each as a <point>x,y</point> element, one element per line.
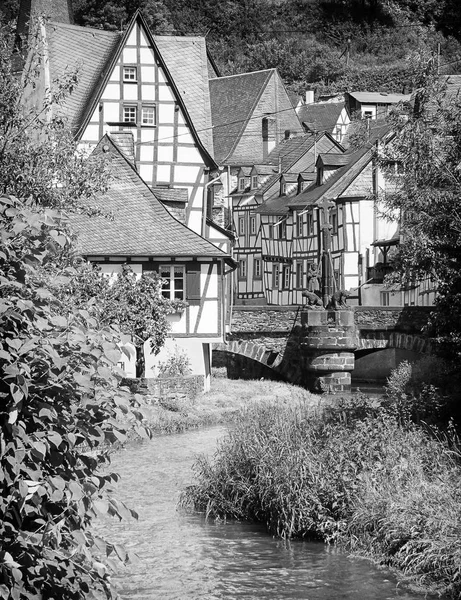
<point>254,181</point>
<point>283,189</point>
<point>148,115</point>
<point>129,74</point>
<point>129,114</point>
<point>241,184</point>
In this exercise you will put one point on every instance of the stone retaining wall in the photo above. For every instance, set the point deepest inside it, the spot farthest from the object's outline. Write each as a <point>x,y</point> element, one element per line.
<point>185,387</point>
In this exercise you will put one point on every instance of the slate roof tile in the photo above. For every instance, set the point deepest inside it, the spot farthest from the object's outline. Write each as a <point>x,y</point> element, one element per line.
<point>140,224</point>
<point>233,100</point>
<point>171,194</point>
<point>290,151</point>
<point>320,116</point>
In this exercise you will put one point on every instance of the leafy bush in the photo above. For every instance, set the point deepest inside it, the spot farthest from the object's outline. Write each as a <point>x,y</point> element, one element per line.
<point>60,409</point>
<point>177,364</point>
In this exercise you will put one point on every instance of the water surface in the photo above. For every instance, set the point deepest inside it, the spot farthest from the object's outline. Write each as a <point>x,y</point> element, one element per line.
<point>182,556</point>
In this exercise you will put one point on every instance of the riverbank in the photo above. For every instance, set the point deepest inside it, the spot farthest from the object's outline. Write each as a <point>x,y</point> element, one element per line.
<point>352,474</point>
<point>221,404</point>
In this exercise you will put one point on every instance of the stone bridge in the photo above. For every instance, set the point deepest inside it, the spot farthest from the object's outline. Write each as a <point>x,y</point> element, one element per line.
<point>319,349</point>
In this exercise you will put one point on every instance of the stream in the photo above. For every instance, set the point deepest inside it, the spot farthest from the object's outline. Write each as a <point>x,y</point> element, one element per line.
<point>181,556</point>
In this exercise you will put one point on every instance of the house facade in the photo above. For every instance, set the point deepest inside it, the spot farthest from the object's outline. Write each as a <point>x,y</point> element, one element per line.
<point>136,229</point>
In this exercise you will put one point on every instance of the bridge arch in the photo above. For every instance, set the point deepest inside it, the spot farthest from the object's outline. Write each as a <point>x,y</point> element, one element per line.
<point>252,350</point>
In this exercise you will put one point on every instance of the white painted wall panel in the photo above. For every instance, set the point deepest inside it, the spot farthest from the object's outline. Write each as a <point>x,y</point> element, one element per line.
<point>184,173</point>
<point>148,93</point>
<point>212,291</point>
<point>147,74</point>
<point>111,111</point>
<point>147,153</point>
<point>115,75</point>
<point>164,93</point>
<point>131,41</point>
<point>146,55</point>
<point>166,113</point>
<point>129,55</point>
<point>146,173</point>
<point>189,154</point>
<point>92,132</point>
<point>130,92</point>
<point>111,92</point>
<point>165,153</point>
<point>163,173</point>
<point>165,133</point>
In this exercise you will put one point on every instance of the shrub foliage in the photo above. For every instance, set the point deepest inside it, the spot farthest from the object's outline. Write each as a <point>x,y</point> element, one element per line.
<point>59,409</point>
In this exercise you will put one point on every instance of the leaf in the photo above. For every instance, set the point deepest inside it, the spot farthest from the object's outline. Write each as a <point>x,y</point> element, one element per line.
<point>12,417</point>
<point>58,321</point>
<point>55,438</point>
<point>76,490</point>
<point>101,506</point>
<point>39,449</point>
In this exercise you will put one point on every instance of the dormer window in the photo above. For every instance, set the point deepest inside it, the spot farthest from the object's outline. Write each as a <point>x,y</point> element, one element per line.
<point>254,182</point>
<point>129,74</point>
<point>241,184</point>
<point>283,189</point>
<point>320,176</point>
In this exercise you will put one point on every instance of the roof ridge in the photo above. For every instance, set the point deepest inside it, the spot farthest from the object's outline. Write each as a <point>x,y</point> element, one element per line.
<point>243,74</point>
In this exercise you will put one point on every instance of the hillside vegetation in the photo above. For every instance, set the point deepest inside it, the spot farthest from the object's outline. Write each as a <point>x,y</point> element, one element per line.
<point>328,45</point>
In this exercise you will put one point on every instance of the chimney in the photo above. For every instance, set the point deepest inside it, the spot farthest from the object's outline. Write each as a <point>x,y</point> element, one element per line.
<point>309,96</point>
<point>54,10</point>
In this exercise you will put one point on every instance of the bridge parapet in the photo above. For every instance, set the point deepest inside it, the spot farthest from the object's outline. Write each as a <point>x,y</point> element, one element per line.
<point>317,348</point>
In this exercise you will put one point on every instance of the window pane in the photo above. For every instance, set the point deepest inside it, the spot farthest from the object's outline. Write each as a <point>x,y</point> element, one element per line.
<point>129,73</point>
<point>148,115</point>
<point>129,114</point>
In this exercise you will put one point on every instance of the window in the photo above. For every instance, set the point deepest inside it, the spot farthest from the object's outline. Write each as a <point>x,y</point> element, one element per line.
<point>241,225</point>
<point>241,184</point>
<point>129,74</point>
<point>253,225</point>
<point>310,223</point>
<point>282,230</point>
<point>367,114</point>
<point>338,133</point>
<point>129,114</point>
<point>275,277</point>
<point>299,275</point>
<point>254,181</point>
<point>286,277</point>
<point>148,115</point>
<point>334,222</point>
<point>268,129</point>
<point>301,186</point>
<point>257,269</point>
<point>242,268</point>
<point>173,287</point>
<point>299,226</point>
<point>283,189</point>
<point>384,298</point>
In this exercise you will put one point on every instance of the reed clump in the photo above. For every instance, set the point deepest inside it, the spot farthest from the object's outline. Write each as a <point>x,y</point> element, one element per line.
<point>352,474</point>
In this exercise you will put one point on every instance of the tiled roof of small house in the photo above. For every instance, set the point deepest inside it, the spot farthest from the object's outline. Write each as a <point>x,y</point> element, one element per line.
<point>93,50</point>
<point>307,175</point>
<point>233,100</point>
<point>379,97</point>
<point>265,169</point>
<point>290,177</point>
<point>290,150</point>
<point>320,116</point>
<point>341,179</point>
<point>139,224</point>
<point>279,204</point>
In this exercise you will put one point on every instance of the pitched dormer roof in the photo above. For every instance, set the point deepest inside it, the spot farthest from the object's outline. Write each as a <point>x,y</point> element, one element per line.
<point>140,224</point>
<point>285,154</point>
<point>332,159</point>
<point>344,175</point>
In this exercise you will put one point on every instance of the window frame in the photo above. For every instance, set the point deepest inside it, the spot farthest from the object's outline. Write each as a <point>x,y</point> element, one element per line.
<point>241,184</point>
<point>257,272</point>
<point>241,225</point>
<point>286,277</point>
<point>252,224</point>
<point>243,271</point>
<point>299,225</point>
<point>129,107</point>
<point>254,182</point>
<point>299,281</point>
<point>171,279</point>
<point>275,276</point>
<point>125,69</point>
<point>145,107</point>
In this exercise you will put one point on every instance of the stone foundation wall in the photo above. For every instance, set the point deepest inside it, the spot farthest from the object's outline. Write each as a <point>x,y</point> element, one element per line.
<point>186,387</point>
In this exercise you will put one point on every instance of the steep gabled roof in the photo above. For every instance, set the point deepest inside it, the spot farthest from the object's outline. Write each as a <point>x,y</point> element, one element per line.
<point>96,52</point>
<point>343,176</point>
<point>140,224</point>
<point>89,50</point>
<point>233,100</point>
<point>290,151</point>
<point>321,116</point>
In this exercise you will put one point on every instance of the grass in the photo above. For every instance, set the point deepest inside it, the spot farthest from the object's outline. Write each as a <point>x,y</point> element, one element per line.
<point>220,405</point>
<point>351,474</point>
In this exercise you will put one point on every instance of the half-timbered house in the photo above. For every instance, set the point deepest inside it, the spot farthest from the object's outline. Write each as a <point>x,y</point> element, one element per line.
<point>136,229</point>
<point>263,221</point>
<point>152,89</point>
